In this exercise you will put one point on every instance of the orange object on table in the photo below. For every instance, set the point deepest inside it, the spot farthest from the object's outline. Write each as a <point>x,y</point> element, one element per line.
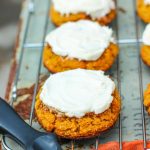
<point>135,145</point>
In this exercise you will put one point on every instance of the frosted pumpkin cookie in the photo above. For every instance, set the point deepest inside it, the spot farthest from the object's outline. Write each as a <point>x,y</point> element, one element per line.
<point>102,11</point>
<point>143,10</point>
<point>147,99</point>
<point>78,104</point>
<point>82,44</point>
<point>145,50</point>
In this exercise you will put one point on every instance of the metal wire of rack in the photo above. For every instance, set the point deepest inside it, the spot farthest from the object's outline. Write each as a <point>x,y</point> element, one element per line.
<point>118,81</point>
<point>136,41</point>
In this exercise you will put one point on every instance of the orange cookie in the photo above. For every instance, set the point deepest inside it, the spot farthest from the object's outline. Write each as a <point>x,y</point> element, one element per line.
<point>143,11</point>
<point>87,126</point>
<point>82,44</point>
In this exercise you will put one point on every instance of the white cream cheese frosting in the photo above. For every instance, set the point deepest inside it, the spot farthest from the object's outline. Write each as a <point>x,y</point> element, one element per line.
<point>77,92</point>
<point>147,2</point>
<point>94,8</point>
<point>83,40</point>
<point>146,35</point>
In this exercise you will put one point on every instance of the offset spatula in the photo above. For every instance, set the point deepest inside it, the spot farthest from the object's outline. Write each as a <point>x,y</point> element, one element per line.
<point>30,139</point>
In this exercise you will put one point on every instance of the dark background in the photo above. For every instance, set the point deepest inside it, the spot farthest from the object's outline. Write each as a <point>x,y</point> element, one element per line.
<point>9,15</point>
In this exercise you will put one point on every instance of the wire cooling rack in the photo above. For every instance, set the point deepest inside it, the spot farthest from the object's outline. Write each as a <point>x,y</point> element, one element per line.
<point>130,74</point>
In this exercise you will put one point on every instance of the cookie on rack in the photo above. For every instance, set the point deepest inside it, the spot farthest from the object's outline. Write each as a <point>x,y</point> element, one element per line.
<point>145,49</point>
<point>78,104</point>
<point>102,11</point>
<point>147,98</point>
<point>143,10</point>
<point>83,44</point>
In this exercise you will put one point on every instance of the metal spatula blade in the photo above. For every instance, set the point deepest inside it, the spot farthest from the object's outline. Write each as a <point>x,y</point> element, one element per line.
<point>29,138</point>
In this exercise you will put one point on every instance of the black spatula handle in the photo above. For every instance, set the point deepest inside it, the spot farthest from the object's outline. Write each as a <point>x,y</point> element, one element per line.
<point>31,139</point>
<point>12,124</point>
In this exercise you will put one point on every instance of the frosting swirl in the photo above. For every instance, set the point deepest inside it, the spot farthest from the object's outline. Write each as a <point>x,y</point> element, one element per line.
<point>77,92</point>
<point>84,40</point>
